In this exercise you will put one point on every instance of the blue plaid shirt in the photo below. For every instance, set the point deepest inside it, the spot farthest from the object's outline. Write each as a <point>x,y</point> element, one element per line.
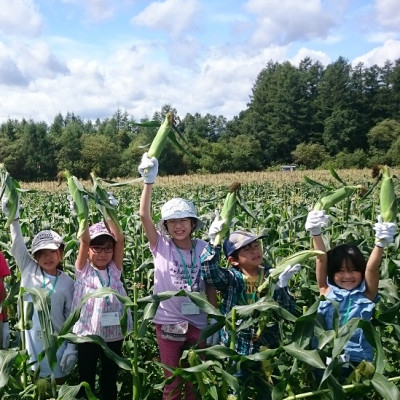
<point>231,283</point>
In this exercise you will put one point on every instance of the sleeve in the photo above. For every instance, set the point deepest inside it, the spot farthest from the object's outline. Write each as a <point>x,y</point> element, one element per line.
<point>18,247</point>
<point>4,270</point>
<point>217,277</point>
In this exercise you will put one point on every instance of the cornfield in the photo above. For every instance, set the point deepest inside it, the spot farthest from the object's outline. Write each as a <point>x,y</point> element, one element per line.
<point>280,202</point>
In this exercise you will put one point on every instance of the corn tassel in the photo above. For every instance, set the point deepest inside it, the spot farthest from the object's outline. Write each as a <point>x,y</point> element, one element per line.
<point>340,194</point>
<point>387,197</point>
<point>102,201</point>
<point>159,141</point>
<point>78,193</point>
<point>228,212</point>
<point>298,258</point>
<point>10,188</point>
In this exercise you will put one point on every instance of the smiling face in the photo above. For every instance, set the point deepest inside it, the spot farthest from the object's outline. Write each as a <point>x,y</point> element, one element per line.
<point>347,277</point>
<point>180,229</point>
<point>248,258</point>
<point>101,251</point>
<point>49,260</point>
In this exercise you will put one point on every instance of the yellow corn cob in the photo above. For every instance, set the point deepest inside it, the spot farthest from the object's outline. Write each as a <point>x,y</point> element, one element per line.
<point>78,194</point>
<point>340,194</point>
<point>227,212</point>
<point>387,196</point>
<point>159,141</point>
<point>298,258</point>
<point>103,203</point>
<point>9,187</point>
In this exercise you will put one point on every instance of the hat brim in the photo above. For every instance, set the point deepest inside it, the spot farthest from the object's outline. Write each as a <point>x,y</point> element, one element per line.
<point>161,226</point>
<point>98,234</point>
<point>245,243</point>
<point>49,246</point>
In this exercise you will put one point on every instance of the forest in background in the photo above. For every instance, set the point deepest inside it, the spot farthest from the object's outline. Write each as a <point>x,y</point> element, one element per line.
<point>340,115</point>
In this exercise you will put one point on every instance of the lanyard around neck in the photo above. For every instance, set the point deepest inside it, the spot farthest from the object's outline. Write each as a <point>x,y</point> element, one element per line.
<point>193,264</point>
<point>44,284</point>
<point>101,280</point>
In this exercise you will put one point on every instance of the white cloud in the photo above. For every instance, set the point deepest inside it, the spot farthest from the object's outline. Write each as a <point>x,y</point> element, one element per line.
<point>20,17</point>
<point>285,21</point>
<point>387,13</point>
<point>390,50</point>
<point>95,10</point>
<point>315,56</point>
<point>172,16</point>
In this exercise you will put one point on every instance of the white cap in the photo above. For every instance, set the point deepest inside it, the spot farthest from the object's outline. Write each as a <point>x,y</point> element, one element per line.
<point>46,240</point>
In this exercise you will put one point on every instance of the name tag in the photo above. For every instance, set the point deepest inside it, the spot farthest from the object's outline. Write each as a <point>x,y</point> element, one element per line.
<point>189,308</point>
<point>110,318</point>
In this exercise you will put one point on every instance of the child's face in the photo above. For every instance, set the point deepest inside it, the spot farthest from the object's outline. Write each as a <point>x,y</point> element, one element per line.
<point>347,277</point>
<point>49,260</point>
<point>101,255</point>
<point>250,256</point>
<point>180,228</point>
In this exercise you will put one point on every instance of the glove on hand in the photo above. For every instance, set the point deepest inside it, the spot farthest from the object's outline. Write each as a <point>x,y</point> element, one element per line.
<point>316,220</point>
<point>69,358</point>
<point>148,168</point>
<point>286,275</point>
<point>215,227</point>
<point>4,206</point>
<point>214,338</point>
<point>384,232</point>
<point>6,335</point>
<point>113,201</point>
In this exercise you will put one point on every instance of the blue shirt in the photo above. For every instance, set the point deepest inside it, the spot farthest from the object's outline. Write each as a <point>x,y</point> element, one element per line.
<point>231,283</point>
<point>351,304</point>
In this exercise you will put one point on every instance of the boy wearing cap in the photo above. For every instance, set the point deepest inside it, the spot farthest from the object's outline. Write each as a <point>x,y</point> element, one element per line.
<point>179,322</point>
<point>238,286</point>
<point>43,269</point>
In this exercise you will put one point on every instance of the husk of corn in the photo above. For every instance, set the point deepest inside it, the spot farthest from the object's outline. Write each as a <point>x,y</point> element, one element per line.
<point>228,212</point>
<point>10,188</point>
<point>103,204</point>
<point>79,196</point>
<point>387,196</point>
<point>298,258</point>
<point>339,194</point>
<point>159,141</point>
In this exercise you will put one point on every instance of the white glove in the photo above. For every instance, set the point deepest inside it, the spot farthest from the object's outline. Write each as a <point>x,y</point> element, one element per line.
<point>148,168</point>
<point>72,203</point>
<point>214,338</point>
<point>384,232</point>
<point>69,358</point>
<point>286,275</point>
<point>4,206</point>
<point>113,201</point>
<point>316,220</point>
<point>6,335</point>
<point>215,227</point>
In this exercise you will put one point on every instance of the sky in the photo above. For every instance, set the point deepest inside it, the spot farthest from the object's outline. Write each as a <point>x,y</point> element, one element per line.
<point>93,57</point>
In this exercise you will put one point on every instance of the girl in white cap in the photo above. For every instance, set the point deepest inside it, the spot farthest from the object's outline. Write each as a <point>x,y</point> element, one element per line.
<point>43,269</point>
<point>177,267</point>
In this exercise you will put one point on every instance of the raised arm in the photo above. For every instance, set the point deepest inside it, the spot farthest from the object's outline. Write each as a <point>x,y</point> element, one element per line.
<point>83,250</point>
<point>119,246</point>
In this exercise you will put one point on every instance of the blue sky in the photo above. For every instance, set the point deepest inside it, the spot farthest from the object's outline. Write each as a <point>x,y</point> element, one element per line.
<point>91,57</point>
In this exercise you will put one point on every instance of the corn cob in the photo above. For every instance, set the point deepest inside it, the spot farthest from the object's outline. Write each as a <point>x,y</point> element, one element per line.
<point>103,203</point>
<point>331,199</point>
<point>228,212</point>
<point>298,258</point>
<point>387,197</point>
<point>159,141</point>
<point>10,188</point>
<point>78,193</point>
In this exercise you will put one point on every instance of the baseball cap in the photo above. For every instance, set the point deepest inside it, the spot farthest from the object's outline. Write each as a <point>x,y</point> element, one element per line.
<point>99,229</point>
<point>237,240</point>
<point>177,208</point>
<point>46,240</point>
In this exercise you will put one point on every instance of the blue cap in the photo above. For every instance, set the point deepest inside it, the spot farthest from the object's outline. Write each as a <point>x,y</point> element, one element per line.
<point>237,240</point>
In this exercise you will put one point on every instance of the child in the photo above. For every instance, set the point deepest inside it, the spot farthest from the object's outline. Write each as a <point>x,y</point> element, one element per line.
<point>4,324</point>
<point>44,270</point>
<point>177,266</point>
<point>343,276</point>
<point>99,264</point>
<point>238,286</point>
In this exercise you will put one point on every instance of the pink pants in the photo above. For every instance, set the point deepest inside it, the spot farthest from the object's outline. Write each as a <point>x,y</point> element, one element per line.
<point>170,353</point>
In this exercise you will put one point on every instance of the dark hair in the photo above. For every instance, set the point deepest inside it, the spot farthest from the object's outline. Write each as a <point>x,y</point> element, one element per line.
<point>347,254</point>
<point>100,240</point>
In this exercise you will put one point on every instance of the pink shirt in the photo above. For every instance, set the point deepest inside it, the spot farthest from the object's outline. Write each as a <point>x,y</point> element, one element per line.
<point>4,271</point>
<point>170,275</point>
<point>89,323</point>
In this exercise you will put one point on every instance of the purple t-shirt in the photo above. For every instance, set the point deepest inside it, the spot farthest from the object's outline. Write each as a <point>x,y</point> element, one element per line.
<point>171,275</point>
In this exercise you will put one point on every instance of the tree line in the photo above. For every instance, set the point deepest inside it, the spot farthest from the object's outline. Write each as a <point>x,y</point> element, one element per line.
<point>340,115</point>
